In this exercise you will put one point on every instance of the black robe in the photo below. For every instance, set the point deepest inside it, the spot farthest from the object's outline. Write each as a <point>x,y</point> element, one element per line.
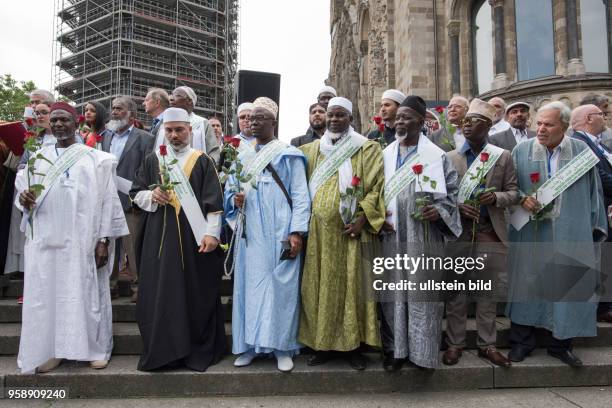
<point>179,311</point>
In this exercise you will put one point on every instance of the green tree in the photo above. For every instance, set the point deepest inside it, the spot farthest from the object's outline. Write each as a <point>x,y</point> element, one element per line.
<point>14,96</point>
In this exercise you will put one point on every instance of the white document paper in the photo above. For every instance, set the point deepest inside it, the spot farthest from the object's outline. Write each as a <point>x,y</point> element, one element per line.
<point>519,217</point>
<point>124,185</point>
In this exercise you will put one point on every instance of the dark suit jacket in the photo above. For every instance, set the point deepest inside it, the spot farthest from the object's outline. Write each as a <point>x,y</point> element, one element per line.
<point>388,134</point>
<point>503,177</point>
<point>603,168</point>
<point>138,145</point>
<point>309,137</point>
<point>506,139</point>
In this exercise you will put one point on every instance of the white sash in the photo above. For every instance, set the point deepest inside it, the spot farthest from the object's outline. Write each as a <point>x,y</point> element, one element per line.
<point>557,184</point>
<point>431,156</point>
<point>186,197</point>
<point>328,167</point>
<point>69,158</point>
<point>401,179</point>
<point>470,181</point>
<point>264,157</point>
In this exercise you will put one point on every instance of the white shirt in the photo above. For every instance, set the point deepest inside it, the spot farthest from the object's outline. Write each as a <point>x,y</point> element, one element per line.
<point>500,126</point>
<point>597,141</point>
<point>519,135</point>
<point>459,138</point>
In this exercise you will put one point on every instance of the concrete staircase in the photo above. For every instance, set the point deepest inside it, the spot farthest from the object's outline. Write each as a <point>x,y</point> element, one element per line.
<point>121,379</point>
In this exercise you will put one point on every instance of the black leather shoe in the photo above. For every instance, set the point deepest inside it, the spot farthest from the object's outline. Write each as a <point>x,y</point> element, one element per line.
<point>319,357</point>
<point>357,361</point>
<point>391,364</point>
<point>518,354</point>
<point>567,357</point>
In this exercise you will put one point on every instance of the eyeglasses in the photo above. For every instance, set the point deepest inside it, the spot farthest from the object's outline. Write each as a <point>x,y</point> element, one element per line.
<point>258,118</point>
<point>468,121</point>
<point>602,114</point>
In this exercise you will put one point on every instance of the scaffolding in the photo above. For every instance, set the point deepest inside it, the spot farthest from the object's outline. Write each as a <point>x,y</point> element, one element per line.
<point>107,48</point>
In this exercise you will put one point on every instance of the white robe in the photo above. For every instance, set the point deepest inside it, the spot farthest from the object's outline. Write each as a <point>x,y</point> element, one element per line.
<point>67,306</point>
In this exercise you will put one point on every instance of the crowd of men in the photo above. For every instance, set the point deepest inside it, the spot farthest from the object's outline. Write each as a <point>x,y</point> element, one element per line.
<point>303,222</point>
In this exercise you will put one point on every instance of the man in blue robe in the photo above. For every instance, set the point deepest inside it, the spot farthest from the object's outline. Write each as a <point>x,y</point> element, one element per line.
<point>267,257</point>
<point>553,259</point>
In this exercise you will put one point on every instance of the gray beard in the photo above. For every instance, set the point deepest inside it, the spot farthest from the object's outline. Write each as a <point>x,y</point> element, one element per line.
<point>116,124</point>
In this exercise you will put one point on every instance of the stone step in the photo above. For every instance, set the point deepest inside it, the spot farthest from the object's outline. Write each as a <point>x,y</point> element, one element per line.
<point>123,310</point>
<point>13,288</point>
<point>121,379</point>
<point>127,340</point>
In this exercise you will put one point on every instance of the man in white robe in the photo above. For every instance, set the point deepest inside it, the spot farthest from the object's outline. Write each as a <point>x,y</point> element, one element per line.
<point>202,134</point>
<point>70,229</point>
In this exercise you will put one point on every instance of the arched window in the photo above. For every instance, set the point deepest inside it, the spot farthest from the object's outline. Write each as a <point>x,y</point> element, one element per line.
<point>482,39</point>
<point>594,27</point>
<point>534,39</point>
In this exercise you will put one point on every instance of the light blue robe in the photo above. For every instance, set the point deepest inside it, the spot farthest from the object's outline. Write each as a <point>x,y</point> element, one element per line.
<point>538,265</point>
<point>266,301</point>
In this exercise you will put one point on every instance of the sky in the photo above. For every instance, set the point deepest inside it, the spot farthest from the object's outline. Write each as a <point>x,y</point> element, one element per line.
<point>287,37</point>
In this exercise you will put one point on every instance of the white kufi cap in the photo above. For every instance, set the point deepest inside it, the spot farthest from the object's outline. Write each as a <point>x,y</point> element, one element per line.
<point>394,95</point>
<point>190,93</point>
<point>342,102</point>
<point>176,115</point>
<point>244,106</point>
<point>328,89</point>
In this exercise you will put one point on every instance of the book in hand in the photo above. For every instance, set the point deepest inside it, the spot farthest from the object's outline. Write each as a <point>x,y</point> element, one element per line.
<point>13,135</point>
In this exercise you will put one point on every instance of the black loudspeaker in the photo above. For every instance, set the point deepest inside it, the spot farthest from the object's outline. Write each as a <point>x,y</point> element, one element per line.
<point>250,85</point>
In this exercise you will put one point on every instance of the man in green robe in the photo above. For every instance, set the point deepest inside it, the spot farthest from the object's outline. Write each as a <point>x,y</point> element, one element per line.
<point>553,273</point>
<point>335,315</point>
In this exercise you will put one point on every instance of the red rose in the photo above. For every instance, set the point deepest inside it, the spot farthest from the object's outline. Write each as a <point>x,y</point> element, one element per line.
<point>355,181</point>
<point>29,134</point>
<point>417,169</point>
<point>235,142</point>
<point>227,139</point>
<point>484,157</point>
<point>381,127</point>
<point>81,119</point>
<point>377,119</point>
<point>29,121</point>
<point>535,177</point>
<point>439,109</point>
<point>163,150</point>
<point>99,138</point>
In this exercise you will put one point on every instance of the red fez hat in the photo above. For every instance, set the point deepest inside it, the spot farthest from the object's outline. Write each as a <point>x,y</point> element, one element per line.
<point>65,107</point>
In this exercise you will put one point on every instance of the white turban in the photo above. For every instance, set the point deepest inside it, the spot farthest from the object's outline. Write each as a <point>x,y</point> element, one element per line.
<point>267,104</point>
<point>342,102</point>
<point>328,89</point>
<point>244,107</point>
<point>190,93</point>
<point>176,115</point>
<point>394,95</point>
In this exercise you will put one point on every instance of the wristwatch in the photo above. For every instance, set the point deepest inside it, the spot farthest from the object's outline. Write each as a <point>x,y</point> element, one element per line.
<point>104,240</point>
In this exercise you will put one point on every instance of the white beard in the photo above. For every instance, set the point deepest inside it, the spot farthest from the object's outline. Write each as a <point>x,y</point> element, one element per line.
<point>335,136</point>
<point>401,138</point>
<point>116,124</point>
<point>180,149</point>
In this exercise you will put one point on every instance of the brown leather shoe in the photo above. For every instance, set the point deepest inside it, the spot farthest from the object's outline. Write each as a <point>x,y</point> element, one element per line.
<point>605,317</point>
<point>452,355</point>
<point>494,356</point>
